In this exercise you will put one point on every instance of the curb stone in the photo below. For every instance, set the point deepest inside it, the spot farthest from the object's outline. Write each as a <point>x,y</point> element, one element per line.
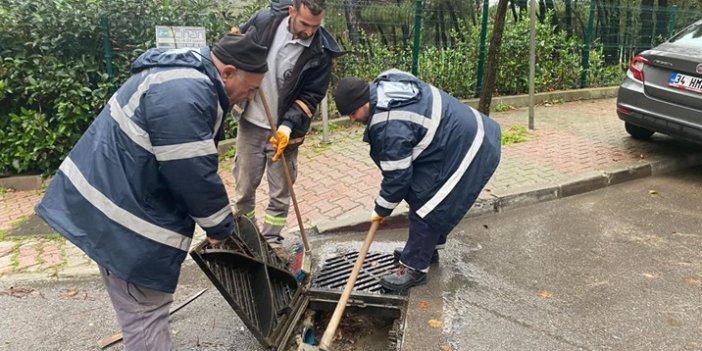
<point>502,201</point>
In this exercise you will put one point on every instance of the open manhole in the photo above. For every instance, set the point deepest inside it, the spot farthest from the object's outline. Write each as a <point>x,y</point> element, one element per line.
<point>280,312</point>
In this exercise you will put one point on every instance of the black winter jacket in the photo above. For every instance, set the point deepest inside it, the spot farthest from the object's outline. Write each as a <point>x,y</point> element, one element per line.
<point>302,93</point>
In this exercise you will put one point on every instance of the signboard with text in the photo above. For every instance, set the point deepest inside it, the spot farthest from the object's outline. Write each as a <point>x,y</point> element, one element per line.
<point>175,37</point>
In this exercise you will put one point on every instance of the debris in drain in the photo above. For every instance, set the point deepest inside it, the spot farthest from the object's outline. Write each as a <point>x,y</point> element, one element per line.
<point>356,332</point>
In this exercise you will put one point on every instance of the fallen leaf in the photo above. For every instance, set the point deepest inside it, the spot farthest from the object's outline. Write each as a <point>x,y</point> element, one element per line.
<point>434,323</point>
<point>423,305</point>
<point>649,275</point>
<point>70,292</point>
<point>486,226</point>
<point>693,281</point>
<point>445,347</point>
<point>652,192</point>
<point>19,292</point>
<point>545,294</point>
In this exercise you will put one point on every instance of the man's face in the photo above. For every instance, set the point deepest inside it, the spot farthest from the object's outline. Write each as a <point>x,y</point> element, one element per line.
<point>361,114</point>
<point>303,24</point>
<point>242,86</point>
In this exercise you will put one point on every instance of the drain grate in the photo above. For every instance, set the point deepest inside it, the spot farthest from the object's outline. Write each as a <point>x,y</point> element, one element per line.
<point>336,271</point>
<point>255,283</point>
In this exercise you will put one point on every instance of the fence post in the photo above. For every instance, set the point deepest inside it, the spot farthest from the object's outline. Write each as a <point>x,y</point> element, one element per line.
<point>586,48</point>
<point>417,32</point>
<point>481,53</point>
<point>671,21</point>
<point>107,47</point>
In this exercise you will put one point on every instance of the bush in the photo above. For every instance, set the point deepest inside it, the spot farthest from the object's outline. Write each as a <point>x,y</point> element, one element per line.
<point>53,79</point>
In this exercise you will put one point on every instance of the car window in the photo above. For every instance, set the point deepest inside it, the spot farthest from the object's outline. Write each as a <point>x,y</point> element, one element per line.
<point>690,36</point>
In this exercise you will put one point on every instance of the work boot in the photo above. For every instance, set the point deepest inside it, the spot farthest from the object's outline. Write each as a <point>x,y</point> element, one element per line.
<point>403,278</point>
<point>398,252</point>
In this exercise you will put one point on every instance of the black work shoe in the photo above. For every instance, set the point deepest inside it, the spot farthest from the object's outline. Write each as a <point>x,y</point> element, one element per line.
<point>403,278</point>
<point>398,252</point>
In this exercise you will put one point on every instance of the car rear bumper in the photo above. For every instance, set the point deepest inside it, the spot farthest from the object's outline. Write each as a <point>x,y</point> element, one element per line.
<point>637,108</point>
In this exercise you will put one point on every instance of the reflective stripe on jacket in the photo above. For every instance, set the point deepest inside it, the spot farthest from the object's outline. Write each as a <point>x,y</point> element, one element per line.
<point>140,177</point>
<point>427,144</point>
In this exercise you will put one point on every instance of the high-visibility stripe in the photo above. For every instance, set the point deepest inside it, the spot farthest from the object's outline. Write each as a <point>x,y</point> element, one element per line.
<point>433,125</point>
<point>131,129</point>
<point>214,219</point>
<point>387,116</point>
<point>185,150</point>
<point>275,221</point>
<point>251,214</point>
<point>220,118</point>
<point>397,164</point>
<point>160,78</point>
<point>120,215</point>
<point>385,203</point>
<point>123,116</point>
<point>458,174</point>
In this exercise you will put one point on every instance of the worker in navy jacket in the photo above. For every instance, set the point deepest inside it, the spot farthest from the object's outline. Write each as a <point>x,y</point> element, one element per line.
<point>434,152</point>
<point>145,172</point>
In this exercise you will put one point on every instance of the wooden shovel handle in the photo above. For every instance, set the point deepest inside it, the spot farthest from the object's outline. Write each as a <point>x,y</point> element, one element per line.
<point>288,179</point>
<point>341,305</point>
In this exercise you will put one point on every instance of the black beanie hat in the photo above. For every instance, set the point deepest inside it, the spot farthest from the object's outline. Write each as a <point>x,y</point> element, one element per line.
<point>242,51</point>
<point>350,94</point>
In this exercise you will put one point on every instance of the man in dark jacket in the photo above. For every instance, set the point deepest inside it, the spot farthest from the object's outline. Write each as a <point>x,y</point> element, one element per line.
<point>299,62</point>
<point>145,172</point>
<point>434,152</point>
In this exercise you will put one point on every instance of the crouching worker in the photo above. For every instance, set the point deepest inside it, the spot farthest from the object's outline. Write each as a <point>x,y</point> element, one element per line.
<point>434,152</point>
<point>145,171</point>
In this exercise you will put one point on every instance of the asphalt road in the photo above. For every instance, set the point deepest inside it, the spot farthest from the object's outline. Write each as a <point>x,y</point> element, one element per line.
<point>615,269</point>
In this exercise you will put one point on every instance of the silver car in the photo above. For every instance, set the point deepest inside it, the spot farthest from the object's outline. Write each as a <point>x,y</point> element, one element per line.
<point>662,91</point>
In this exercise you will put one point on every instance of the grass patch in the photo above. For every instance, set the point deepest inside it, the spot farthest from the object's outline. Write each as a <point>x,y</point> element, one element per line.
<point>553,102</point>
<point>3,191</point>
<point>500,107</point>
<point>230,153</point>
<point>515,134</point>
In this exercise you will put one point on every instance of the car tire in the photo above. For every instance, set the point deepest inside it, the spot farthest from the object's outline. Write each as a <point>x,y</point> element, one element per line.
<point>638,132</point>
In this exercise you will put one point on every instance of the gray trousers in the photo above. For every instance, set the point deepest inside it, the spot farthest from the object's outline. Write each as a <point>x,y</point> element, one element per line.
<point>253,158</point>
<point>142,314</point>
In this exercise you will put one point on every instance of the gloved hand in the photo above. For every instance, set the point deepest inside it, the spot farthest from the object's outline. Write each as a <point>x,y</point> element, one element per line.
<point>280,141</point>
<point>376,217</point>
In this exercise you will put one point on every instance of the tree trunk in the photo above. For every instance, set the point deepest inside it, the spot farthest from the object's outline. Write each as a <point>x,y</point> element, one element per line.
<point>662,16</point>
<point>569,18</point>
<point>646,19</point>
<point>542,11</point>
<point>513,8</point>
<point>493,58</point>
<point>352,23</point>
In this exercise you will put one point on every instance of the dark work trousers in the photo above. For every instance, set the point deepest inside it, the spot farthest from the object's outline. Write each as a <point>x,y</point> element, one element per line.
<point>422,241</point>
<point>142,314</point>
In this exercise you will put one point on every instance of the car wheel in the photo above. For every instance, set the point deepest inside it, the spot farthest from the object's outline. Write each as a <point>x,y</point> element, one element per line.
<point>638,132</point>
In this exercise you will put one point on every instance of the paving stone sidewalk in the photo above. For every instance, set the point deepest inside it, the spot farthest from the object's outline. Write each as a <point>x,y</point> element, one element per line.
<point>575,147</point>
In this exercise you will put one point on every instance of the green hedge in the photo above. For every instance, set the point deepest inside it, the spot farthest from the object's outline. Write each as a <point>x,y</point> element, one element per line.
<point>53,79</point>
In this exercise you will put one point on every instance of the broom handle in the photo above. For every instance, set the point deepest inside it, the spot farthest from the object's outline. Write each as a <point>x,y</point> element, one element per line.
<point>328,336</point>
<point>288,179</point>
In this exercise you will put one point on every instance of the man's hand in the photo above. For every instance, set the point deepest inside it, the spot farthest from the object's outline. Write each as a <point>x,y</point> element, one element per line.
<point>376,217</point>
<point>216,243</point>
<point>280,141</point>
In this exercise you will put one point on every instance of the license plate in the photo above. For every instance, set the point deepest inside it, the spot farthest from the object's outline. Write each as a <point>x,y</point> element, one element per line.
<point>685,82</point>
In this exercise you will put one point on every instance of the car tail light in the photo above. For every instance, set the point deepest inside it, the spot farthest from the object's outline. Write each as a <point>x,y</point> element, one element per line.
<point>623,110</point>
<point>636,67</point>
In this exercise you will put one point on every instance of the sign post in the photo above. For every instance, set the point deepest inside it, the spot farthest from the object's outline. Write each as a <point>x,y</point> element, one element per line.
<point>175,37</point>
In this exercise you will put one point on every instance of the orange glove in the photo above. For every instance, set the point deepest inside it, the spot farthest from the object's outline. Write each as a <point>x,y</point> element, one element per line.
<point>280,141</point>
<point>376,217</point>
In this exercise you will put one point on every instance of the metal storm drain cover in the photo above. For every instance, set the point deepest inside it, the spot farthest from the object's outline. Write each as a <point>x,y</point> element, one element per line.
<point>254,281</point>
<point>336,271</point>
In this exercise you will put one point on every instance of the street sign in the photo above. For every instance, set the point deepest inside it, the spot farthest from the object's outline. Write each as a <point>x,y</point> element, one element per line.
<point>175,37</point>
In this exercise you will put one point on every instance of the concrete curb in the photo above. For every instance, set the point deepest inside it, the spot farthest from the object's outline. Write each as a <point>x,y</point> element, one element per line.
<point>499,201</point>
